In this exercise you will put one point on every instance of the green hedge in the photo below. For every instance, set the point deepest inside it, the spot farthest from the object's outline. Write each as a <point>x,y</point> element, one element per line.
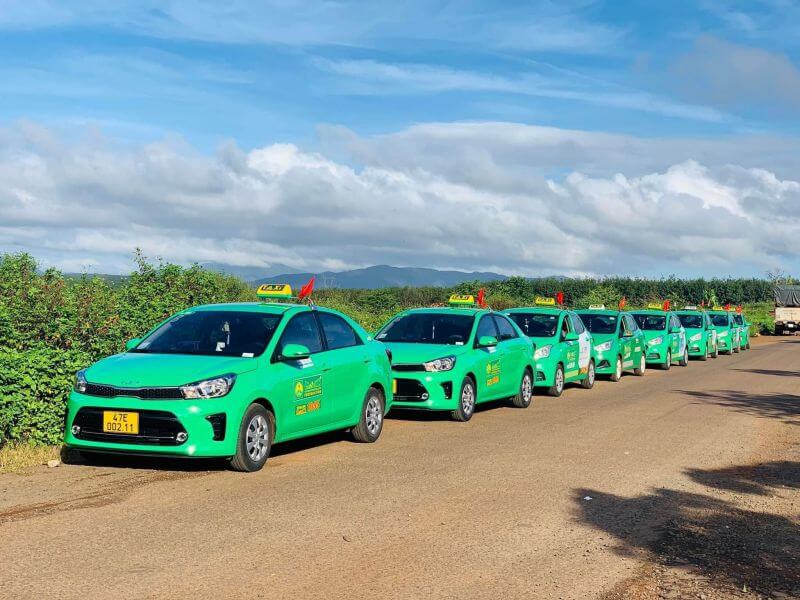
<point>51,326</point>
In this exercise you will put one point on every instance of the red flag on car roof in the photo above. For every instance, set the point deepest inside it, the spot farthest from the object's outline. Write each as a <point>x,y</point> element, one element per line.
<point>702,303</point>
<point>482,297</point>
<point>306,290</point>
<point>622,303</point>
<point>728,306</point>
<point>560,298</point>
<point>739,309</point>
<point>666,305</point>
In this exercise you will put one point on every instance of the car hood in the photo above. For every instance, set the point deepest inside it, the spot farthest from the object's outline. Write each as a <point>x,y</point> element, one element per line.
<point>420,353</point>
<point>599,338</point>
<point>649,335</point>
<point>133,370</point>
<point>693,330</point>
<point>544,341</point>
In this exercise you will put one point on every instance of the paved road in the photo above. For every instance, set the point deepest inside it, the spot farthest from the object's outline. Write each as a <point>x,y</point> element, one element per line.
<point>492,508</point>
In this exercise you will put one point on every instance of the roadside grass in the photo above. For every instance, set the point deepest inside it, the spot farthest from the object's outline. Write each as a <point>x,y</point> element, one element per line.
<point>762,316</point>
<point>18,456</point>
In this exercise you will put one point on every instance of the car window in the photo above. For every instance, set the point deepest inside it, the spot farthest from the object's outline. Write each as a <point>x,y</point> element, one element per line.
<point>632,326</point>
<point>505,328</point>
<point>338,332</point>
<point>691,321</point>
<point>565,326</point>
<point>302,329</point>
<point>650,322</point>
<point>577,324</point>
<point>486,327</point>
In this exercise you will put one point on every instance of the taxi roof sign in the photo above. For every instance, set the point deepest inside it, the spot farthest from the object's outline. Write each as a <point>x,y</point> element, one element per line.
<point>461,300</point>
<point>655,306</point>
<point>690,307</point>
<point>545,301</point>
<point>274,291</point>
<point>597,307</point>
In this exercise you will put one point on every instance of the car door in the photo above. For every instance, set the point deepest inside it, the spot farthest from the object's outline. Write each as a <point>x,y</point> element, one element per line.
<point>678,336</point>
<point>489,364</point>
<point>348,366</point>
<point>626,342</point>
<point>300,386</point>
<point>638,343</point>
<point>710,332</point>
<point>584,342</point>
<point>512,355</point>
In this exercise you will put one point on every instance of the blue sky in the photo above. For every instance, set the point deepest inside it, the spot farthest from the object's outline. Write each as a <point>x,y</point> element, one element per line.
<point>362,85</point>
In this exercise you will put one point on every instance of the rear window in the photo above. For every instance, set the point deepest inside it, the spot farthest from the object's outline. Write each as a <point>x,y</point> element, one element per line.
<point>651,322</point>
<point>536,324</point>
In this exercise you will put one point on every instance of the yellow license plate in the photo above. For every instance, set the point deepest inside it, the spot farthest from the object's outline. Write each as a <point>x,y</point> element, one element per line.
<point>394,386</point>
<point>115,421</point>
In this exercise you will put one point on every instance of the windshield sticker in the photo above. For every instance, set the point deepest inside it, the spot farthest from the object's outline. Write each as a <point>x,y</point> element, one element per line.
<point>492,373</point>
<point>380,336</point>
<point>220,346</point>
<point>247,355</point>
<point>304,363</point>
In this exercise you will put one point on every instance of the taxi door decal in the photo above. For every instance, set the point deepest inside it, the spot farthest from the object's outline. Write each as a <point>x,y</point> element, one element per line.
<point>584,350</point>
<point>308,392</point>
<point>493,371</point>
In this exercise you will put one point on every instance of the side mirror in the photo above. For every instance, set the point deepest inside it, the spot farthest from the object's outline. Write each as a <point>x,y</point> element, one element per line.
<point>571,337</point>
<point>487,341</point>
<point>132,343</point>
<point>295,352</point>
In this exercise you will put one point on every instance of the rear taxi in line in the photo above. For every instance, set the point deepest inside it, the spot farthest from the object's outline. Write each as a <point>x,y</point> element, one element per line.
<point>230,380</point>
<point>701,336</point>
<point>727,330</point>
<point>744,328</point>
<point>564,351</point>
<point>619,343</point>
<point>666,338</point>
<point>453,358</point>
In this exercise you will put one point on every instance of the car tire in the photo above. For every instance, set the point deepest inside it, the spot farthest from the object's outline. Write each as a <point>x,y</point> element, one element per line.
<point>684,361</point>
<point>715,354</point>
<point>466,401</point>
<point>617,374</point>
<point>557,388</point>
<point>667,364</point>
<point>640,370</point>
<point>747,346</point>
<point>370,423</point>
<point>735,350</point>
<point>72,456</point>
<point>587,382</point>
<point>704,356</point>
<point>254,444</point>
<point>524,396</point>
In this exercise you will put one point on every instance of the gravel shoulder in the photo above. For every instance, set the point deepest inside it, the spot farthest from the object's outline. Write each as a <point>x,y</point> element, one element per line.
<point>616,491</point>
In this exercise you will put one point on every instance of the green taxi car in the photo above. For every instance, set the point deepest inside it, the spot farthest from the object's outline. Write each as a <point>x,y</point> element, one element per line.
<point>452,358</point>
<point>564,351</point>
<point>701,337</point>
<point>744,330</point>
<point>666,338</point>
<point>229,380</point>
<point>618,342</point>
<point>727,330</point>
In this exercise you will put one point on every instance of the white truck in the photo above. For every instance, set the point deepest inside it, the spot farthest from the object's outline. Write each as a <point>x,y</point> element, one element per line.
<point>787,309</point>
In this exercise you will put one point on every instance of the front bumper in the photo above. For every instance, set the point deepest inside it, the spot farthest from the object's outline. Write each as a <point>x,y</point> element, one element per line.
<point>425,391</point>
<point>606,362</point>
<point>656,354</point>
<point>210,426</point>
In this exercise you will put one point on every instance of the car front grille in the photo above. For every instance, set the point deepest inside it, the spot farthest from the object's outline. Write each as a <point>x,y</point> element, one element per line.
<point>410,390</point>
<point>156,427</point>
<point>145,393</point>
<point>408,368</point>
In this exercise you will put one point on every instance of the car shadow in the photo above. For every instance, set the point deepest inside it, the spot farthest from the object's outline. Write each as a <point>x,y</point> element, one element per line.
<point>776,372</point>
<point>730,545</point>
<point>410,414</point>
<point>777,406</point>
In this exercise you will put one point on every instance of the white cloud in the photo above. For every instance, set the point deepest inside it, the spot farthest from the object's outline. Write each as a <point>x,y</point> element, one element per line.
<point>91,202</point>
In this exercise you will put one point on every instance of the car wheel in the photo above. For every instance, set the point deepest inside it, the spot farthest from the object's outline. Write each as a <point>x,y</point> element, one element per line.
<point>685,358</point>
<point>72,456</point>
<point>466,401</point>
<point>667,364</point>
<point>524,397</point>
<point>588,382</point>
<point>642,366</point>
<point>370,424</point>
<point>558,383</point>
<point>715,354</point>
<point>255,439</point>
<point>747,345</point>
<point>617,374</point>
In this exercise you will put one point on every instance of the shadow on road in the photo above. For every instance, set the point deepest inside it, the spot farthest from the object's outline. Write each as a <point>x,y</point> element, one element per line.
<point>776,406</point>
<point>729,545</point>
<point>776,372</point>
<point>409,414</point>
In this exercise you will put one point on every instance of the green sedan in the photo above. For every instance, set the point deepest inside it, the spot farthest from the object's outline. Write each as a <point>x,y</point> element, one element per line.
<point>744,330</point>
<point>727,330</point>
<point>230,380</point>
<point>666,338</point>
<point>453,358</point>
<point>701,336</point>
<point>618,342</point>
<point>564,351</point>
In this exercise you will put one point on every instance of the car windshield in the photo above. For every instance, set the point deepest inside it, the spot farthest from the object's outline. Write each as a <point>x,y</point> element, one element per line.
<point>212,333</point>
<point>651,322</point>
<point>691,321</point>
<point>599,323</point>
<point>428,328</point>
<point>536,324</point>
<point>719,320</point>
<point>738,319</point>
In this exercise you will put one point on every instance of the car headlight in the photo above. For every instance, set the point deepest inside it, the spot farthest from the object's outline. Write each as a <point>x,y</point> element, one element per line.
<point>723,334</point>
<point>542,352</point>
<point>80,382</point>
<point>209,388</point>
<point>656,341</point>
<point>696,337</point>
<point>440,364</point>
<point>604,347</point>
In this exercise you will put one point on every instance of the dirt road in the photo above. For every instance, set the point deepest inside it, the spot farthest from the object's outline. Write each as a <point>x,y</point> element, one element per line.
<point>562,500</point>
